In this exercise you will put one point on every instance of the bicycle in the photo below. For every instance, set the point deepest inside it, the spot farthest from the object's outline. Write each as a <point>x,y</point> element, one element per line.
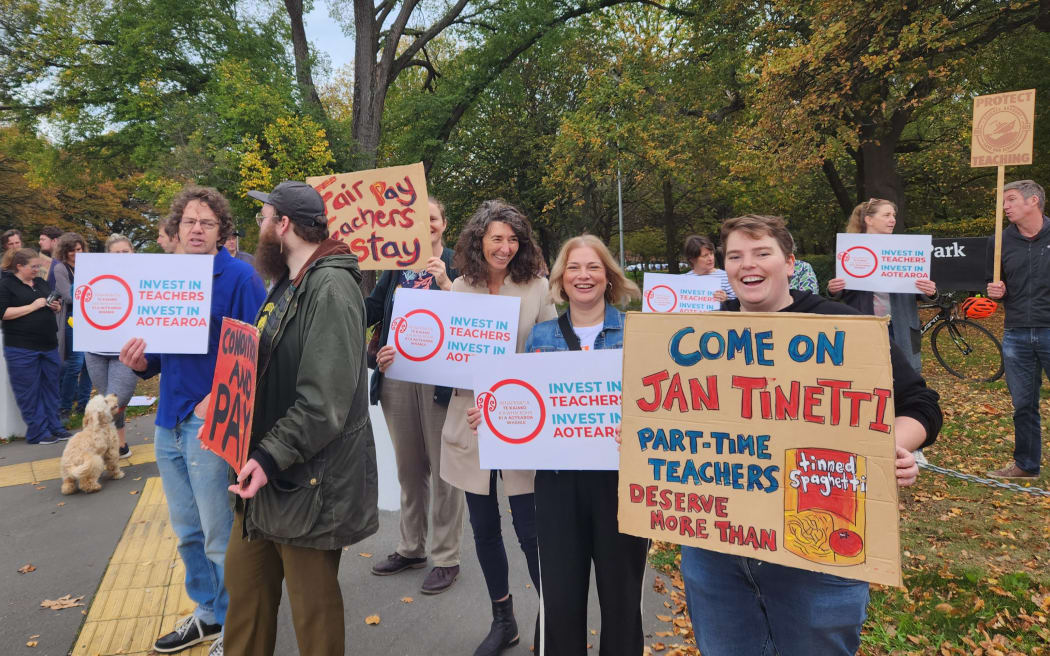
<point>965,348</point>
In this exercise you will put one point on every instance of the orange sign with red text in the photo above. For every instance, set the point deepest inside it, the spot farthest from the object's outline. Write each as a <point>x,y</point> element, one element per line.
<point>228,424</point>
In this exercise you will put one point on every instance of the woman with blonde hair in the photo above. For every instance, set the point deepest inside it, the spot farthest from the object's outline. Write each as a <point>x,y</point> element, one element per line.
<point>878,217</point>
<point>576,510</point>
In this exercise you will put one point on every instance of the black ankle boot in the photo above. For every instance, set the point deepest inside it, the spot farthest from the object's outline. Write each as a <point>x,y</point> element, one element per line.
<point>504,630</point>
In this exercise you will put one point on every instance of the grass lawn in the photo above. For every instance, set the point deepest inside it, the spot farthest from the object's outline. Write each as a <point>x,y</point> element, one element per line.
<point>976,559</point>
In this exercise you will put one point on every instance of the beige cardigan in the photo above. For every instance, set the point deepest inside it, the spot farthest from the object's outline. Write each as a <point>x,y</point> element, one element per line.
<point>460,462</point>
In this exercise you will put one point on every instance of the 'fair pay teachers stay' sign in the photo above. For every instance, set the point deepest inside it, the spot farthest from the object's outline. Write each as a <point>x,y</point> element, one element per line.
<point>164,299</point>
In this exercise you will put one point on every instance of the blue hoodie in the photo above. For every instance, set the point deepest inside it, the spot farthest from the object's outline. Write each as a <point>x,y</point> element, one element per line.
<point>236,292</point>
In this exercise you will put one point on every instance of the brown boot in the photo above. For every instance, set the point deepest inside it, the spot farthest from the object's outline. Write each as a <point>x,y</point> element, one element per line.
<point>1012,471</point>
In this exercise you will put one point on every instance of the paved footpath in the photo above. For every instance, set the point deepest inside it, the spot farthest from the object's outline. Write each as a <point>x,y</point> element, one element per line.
<point>116,550</point>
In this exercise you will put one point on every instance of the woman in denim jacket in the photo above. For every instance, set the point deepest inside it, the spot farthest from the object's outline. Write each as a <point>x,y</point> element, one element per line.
<point>576,510</point>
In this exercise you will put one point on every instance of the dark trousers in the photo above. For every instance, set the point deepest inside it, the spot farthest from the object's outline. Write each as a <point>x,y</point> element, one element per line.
<point>75,382</point>
<point>254,572</point>
<point>1026,354</point>
<point>34,380</point>
<point>488,537</point>
<point>576,519</point>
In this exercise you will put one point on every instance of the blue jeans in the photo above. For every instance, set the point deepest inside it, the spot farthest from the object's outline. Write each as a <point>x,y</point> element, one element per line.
<point>34,380</point>
<point>1026,354</point>
<point>75,382</point>
<point>195,483</point>
<point>745,606</point>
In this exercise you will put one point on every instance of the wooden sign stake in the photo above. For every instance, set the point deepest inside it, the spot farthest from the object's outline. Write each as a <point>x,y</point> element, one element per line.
<point>1000,181</point>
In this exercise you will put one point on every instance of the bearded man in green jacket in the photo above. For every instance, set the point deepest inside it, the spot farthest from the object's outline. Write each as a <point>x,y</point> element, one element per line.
<point>309,486</point>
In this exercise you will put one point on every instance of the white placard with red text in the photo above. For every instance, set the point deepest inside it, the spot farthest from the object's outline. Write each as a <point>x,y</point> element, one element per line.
<point>549,410</point>
<point>665,292</point>
<point>164,299</point>
<point>883,263</point>
<point>440,335</point>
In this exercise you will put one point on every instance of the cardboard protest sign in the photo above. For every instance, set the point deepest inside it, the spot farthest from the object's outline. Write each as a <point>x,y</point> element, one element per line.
<point>382,214</point>
<point>959,263</point>
<point>766,435</point>
<point>164,299</point>
<point>1003,127</point>
<point>437,334</point>
<point>549,410</point>
<point>228,424</point>
<point>882,263</point>
<point>666,292</point>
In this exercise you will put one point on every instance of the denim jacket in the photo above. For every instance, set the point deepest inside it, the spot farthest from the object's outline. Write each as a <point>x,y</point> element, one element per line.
<point>546,337</point>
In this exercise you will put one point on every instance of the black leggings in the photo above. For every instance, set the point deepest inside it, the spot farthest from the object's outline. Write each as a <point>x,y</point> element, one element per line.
<point>488,537</point>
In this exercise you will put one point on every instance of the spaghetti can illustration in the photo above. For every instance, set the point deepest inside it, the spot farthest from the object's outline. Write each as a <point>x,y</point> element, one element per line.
<point>824,505</point>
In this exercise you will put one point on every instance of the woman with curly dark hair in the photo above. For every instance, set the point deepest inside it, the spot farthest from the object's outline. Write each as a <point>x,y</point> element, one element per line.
<point>496,254</point>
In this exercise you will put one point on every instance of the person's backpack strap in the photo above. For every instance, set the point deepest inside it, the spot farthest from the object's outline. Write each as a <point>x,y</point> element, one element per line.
<point>568,333</point>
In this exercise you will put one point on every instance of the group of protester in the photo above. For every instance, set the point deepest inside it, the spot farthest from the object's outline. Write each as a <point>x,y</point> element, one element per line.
<point>309,486</point>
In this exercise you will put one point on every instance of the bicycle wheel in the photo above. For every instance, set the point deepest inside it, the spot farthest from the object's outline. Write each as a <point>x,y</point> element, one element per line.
<point>967,350</point>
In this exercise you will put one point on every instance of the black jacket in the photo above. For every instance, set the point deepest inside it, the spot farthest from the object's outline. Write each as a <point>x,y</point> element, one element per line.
<point>911,397</point>
<point>379,307</point>
<point>1026,272</point>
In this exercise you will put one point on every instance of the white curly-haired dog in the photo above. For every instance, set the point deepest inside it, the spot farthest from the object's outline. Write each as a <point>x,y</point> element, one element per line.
<point>93,449</point>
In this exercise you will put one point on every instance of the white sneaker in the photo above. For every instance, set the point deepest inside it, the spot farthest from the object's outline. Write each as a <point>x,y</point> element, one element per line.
<point>216,648</point>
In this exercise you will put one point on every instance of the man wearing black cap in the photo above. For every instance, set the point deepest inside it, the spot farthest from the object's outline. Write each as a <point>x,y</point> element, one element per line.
<point>233,245</point>
<point>309,486</point>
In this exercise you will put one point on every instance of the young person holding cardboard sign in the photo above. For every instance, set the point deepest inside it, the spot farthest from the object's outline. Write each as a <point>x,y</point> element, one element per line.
<point>1025,293</point>
<point>741,605</point>
<point>878,217</point>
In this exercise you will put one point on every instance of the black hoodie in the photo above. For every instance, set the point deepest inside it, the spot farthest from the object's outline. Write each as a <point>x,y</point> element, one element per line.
<point>911,397</point>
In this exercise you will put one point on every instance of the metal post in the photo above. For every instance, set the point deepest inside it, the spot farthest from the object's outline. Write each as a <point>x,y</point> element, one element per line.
<point>619,198</point>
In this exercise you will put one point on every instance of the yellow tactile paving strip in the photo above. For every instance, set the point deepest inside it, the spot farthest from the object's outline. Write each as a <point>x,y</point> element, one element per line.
<point>142,593</point>
<point>43,470</point>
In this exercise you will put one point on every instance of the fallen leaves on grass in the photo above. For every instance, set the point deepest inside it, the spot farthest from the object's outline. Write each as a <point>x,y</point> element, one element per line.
<point>25,569</point>
<point>65,601</point>
<point>372,620</point>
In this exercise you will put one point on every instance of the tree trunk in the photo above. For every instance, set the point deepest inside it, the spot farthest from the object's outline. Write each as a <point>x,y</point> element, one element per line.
<point>303,68</point>
<point>839,189</point>
<point>670,228</point>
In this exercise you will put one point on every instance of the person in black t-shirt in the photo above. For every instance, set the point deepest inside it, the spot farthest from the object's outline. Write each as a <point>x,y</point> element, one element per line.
<point>31,346</point>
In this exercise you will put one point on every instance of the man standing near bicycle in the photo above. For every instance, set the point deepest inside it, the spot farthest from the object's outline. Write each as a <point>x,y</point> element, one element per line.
<point>1025,293</point>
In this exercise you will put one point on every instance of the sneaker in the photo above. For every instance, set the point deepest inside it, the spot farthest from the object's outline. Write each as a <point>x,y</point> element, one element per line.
<point>1012,471</point>
<point>395,563</point>
<point>439,579</point>
<point>188,632</point>
<point>47,439</point>
<point>62,434</point>
<point>125,451</point>
<point>216,648</point>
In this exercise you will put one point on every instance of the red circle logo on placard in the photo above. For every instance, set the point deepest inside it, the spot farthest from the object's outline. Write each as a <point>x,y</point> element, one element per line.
<point>859,261</point>
<point>105,302</point>
<point>529,412</point>
<point>661,298</point>
<point>422,337</point>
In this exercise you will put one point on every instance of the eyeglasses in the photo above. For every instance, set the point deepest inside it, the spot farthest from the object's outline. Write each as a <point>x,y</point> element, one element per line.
<point>260,218</point>
<point>206,224</point>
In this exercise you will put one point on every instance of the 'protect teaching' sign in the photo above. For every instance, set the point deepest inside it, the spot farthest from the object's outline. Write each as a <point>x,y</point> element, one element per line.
<point>666,292</point>
<point>383,215</point>
<point>549,410</point>
<point>767,435</point>
<point>438,335</point>
<point>882,263</point>
<point>164,299</point>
